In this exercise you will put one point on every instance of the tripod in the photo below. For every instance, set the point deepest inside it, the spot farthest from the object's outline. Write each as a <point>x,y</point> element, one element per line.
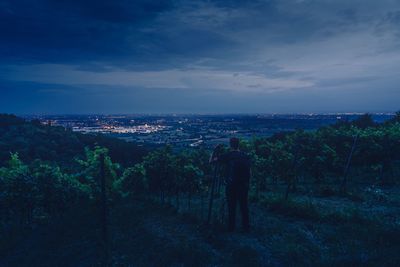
<point>215,192</point>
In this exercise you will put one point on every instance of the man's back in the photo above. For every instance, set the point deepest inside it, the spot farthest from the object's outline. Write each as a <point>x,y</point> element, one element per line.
<point>238,167</point>
<point>237,181</point>
<point>237,186</point>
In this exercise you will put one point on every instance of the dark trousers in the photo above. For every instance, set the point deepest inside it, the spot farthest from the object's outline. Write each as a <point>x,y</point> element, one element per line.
<point>237,194</point>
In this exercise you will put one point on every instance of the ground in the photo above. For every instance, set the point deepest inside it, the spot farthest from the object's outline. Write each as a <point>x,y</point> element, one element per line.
<point>360,229</point>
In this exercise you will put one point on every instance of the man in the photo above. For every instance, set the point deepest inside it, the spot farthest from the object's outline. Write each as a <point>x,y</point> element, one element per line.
<point>237,181</point>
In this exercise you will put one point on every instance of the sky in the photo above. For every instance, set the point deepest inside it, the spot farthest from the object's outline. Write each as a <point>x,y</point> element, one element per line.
<point>214,56</point>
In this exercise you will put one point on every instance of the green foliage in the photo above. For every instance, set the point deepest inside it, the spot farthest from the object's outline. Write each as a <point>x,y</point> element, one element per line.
<point>40,189</point>
<point>56,190</point>
<point>364,121</point>
<point>132,182</point>
<point>19,188</point>
<point>160,166</point>
<point>90,168</point>
<point>52,170</point>
<point>33,140</point>
<point>191,178</point>
<point>47,184</point>
<point>8,120</point>
<point>395,119</point>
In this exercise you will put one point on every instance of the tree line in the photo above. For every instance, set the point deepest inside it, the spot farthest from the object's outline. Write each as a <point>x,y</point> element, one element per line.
<point>34,187</point>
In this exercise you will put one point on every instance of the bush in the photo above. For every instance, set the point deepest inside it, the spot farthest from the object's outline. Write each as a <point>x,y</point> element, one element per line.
<point>133,181</point>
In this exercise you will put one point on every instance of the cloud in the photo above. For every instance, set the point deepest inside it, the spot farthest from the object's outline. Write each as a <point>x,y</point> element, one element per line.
<point>39,98</point>
<point>253,49</point>
<point>65,31</point>
<point>192,79</point>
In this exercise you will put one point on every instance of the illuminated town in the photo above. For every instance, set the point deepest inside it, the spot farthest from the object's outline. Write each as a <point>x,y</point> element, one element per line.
<point>194,130</point>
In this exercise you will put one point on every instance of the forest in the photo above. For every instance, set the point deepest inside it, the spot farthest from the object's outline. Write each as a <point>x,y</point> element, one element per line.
<point>325,197</point>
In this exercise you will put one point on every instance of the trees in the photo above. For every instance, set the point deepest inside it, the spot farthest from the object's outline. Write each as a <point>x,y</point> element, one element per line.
<point>160,167</point>
<point>191,183</point>
<point>33,141</point>
<point>261,171</point>
<point>89,171</point>
<point>322,155</point>
<point>7,120</point>
<point>39,189</point>
<point>50,188</point>
<point>45,184</point>
<point>395,119</point>
<point>133,181</point>
<point>19,194</point>
<point>364,121</point>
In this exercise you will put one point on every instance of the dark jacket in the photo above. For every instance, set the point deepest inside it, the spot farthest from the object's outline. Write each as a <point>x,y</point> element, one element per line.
<point>237,168</point>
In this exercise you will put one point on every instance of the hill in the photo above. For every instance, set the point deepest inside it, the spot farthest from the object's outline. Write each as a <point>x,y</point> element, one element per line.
<point>33,140</point>
<point>324,198</point>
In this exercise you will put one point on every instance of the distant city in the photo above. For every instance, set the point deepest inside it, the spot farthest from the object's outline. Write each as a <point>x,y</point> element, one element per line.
<point>194,130</point>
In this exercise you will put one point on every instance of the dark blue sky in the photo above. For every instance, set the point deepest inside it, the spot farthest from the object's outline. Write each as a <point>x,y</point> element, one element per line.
<point>135,56</point>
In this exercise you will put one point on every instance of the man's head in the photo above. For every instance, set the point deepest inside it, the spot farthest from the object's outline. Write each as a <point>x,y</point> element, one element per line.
<point>234,143</point>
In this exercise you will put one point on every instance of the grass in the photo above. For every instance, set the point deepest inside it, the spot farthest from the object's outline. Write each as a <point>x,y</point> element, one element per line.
<point>308,210</point>
<point>303,231</point>
<point>337,233</point>
<point>244,256</point>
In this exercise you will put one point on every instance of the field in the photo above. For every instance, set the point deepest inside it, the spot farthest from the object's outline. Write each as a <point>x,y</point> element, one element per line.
<point>303,231</point>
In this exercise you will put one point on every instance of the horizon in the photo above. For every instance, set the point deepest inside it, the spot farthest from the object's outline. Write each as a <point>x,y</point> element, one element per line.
<point>389,113</point>
<point>185,56</point>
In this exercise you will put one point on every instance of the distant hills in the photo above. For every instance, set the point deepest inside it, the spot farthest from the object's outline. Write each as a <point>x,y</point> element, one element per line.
<point>33,140</point>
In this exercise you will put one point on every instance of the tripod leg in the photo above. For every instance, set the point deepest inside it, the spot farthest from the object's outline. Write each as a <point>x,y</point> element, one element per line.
<point>213,185</point>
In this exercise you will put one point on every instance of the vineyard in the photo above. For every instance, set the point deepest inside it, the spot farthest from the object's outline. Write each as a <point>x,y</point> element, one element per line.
<point>329,176</point>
